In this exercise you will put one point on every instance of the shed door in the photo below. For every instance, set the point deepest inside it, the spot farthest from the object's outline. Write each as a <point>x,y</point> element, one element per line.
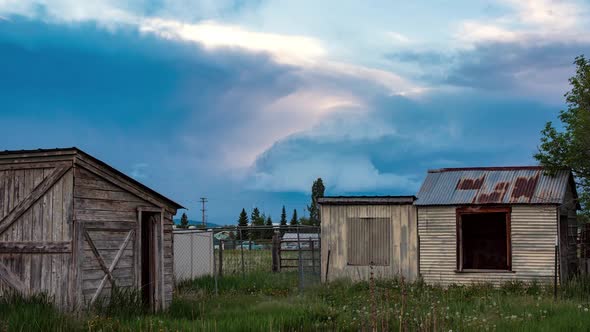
<point>149,257</point>
<point>108,260</point>
<point>35,229</point>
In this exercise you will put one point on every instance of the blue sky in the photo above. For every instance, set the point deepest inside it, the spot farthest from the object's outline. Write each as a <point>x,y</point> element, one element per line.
<point>247,102</point>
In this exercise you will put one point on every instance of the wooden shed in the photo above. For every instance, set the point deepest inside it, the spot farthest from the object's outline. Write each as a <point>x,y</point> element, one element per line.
<point>73,227</point>
<point>360,232</point>
<point>496,224</point>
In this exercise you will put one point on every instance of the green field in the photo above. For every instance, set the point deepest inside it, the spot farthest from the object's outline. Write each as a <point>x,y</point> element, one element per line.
<point>272,302</point>
<point>260,261</point>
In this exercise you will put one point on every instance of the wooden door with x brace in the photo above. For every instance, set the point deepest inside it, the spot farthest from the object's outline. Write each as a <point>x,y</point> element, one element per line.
<point>125,256</point>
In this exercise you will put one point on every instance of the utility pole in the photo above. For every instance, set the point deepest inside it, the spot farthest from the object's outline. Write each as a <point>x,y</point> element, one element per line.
<point>203,201</point>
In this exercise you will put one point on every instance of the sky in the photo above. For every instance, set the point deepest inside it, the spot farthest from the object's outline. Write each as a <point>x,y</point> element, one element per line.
<point>247,102</point>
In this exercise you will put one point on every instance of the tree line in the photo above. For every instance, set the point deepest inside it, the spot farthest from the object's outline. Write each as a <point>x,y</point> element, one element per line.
<point>257,218</point>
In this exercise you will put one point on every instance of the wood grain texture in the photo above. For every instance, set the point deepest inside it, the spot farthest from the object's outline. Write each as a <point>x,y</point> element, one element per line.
<point>108,272</point>
<point>36,247</point>
<point>18,210</point>
<point>399,246</point>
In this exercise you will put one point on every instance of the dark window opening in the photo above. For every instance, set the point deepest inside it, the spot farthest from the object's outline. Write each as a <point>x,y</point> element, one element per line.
<point>484,241</point>
<point>147,258</point>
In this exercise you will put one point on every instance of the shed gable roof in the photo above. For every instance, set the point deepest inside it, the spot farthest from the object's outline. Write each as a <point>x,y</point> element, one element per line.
<point>73,152</point>
<point>494,185</point>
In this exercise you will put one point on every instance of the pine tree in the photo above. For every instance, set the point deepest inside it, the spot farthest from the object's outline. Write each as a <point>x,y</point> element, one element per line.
<point>317,191</point>
<point>183,221</point>
<point>305,221</point>
<point>256,220</point>
<point>243,223</point>
<point>269,230</point>
<point>283,223</point>
<point>294,219</point>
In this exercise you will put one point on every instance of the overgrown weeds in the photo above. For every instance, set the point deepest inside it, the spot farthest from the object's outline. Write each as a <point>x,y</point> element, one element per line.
<point>273,302</point>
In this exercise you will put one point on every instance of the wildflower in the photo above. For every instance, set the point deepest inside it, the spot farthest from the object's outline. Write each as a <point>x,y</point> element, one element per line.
<point>586,309</point>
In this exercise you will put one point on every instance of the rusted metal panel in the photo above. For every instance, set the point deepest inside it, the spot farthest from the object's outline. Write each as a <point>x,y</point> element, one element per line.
<point>501,185</point>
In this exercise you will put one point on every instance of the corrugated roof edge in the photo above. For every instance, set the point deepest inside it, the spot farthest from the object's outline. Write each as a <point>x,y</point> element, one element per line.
<point>366,200</point>
<point>75,150</point>
<point>497,168</point>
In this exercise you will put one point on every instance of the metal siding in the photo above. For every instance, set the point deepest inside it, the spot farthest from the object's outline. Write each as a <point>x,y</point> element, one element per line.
<point>369,241</point>
<point>501,186</point>
<point>402,237</point>
<point>533,232</point>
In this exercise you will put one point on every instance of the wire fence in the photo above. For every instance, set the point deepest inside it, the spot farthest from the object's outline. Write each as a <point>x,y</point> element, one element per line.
<point>289,252</point>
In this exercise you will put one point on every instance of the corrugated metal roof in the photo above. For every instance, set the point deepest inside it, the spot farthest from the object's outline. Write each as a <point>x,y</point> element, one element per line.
<point>366,200</point>
<point>493,185</point>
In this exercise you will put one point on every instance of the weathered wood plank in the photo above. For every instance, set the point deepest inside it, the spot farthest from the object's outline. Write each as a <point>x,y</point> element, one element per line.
<point>105,205</point>
<point>26,203</point>
<point>68,205</point>
<point>125,262</point>
<point>98,274</point>
<point>36,247</point>
<point>95,252</point>
<point>111,226</point>
<point>91,193</point>
<point>26,166</point>
<point>2,194</point>
<point>96,215</point>
<point>11,279</point>
<point>112,267</point>
<point>47,231</point>
<point>57,216</point>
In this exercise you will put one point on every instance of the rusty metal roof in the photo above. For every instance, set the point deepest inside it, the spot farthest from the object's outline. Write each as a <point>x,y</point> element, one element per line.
<point>493,185</point>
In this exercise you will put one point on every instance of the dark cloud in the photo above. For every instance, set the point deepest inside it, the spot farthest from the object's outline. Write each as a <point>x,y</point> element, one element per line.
<point>529,68</point>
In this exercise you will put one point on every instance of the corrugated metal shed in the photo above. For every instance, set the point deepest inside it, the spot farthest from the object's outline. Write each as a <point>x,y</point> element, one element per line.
<point>493,185</point>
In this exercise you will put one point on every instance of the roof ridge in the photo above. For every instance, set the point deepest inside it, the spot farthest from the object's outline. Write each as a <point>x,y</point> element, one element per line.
<point>485,168</point>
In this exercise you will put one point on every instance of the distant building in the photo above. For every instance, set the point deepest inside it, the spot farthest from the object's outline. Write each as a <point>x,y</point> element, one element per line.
<point>467,225</point>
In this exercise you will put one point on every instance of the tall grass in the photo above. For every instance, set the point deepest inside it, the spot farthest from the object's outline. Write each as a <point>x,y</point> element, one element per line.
<point>33,313</point>
<point>272,302</point>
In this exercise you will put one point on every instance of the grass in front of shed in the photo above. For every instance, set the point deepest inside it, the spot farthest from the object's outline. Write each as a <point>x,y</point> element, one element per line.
<point>272,302</point>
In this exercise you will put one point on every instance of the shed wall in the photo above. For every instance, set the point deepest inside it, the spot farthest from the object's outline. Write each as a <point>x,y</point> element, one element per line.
<point>403,248</point>
<point>533,233</point>
<point>109,214</point>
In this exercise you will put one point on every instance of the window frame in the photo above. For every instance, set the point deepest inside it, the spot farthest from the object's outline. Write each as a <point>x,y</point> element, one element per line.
<point>471,210</point>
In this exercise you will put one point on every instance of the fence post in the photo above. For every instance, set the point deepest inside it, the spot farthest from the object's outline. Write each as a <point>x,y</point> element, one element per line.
<point>276,245</point>
<point>192,236</point>
<point>312,256</point>
<point>242,254</point>
<point>212,237</point>
<point>221,258</point>
<point>300,261</point>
